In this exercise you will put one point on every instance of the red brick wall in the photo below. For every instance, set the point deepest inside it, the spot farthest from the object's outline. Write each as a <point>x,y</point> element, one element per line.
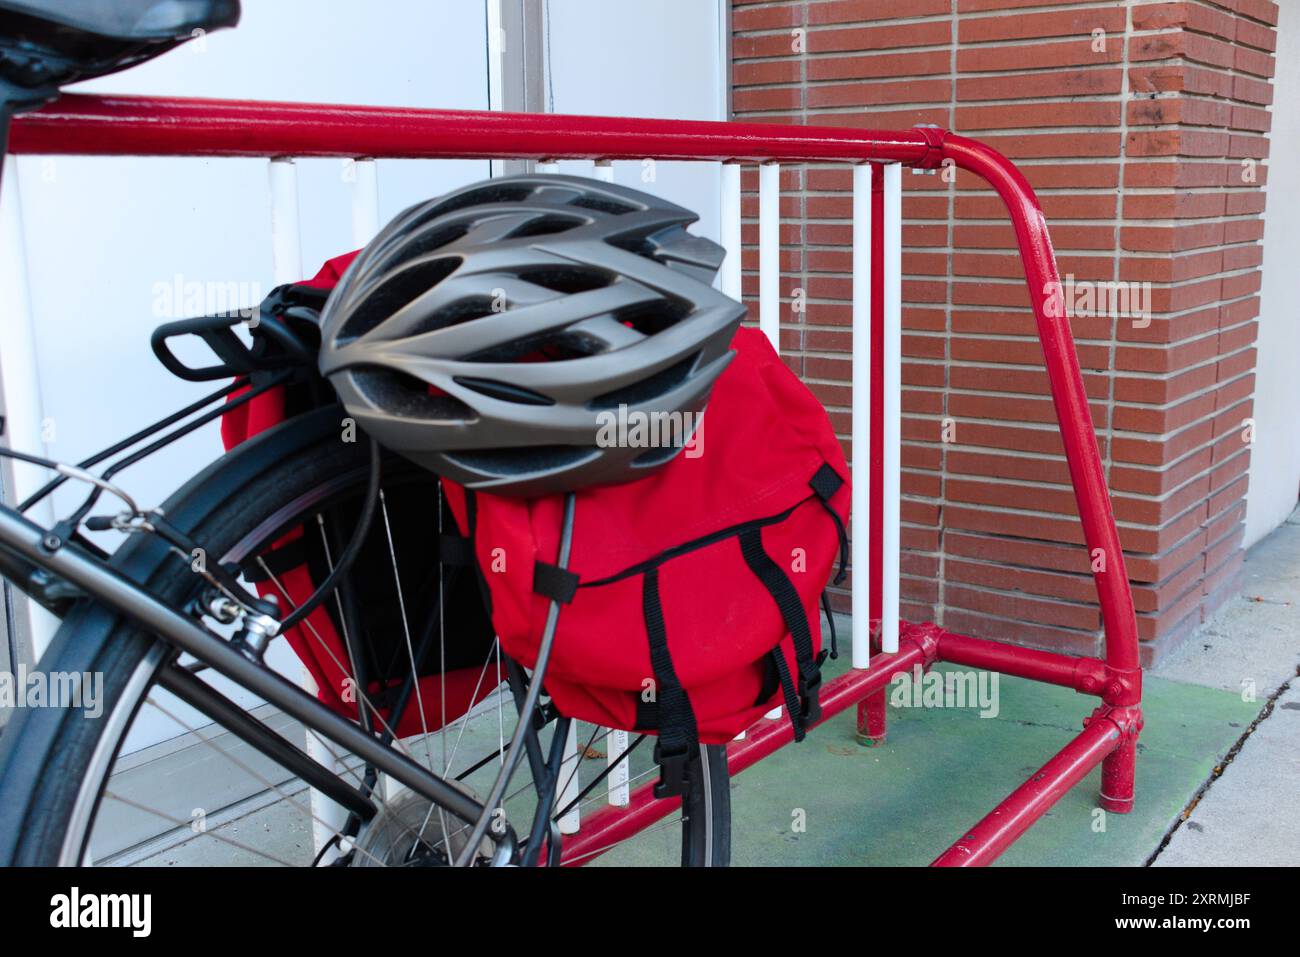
<point>1134,121</point>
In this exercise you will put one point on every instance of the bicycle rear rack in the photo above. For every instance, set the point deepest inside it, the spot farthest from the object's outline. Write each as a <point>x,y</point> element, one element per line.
<point>145,126</point>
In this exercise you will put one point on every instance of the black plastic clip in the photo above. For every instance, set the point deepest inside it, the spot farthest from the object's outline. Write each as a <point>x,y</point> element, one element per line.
<point>672,771</point>
<point>810,686</point>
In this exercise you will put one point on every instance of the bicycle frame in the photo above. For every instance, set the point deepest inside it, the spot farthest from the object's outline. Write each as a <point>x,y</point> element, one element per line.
<point>120,125</point>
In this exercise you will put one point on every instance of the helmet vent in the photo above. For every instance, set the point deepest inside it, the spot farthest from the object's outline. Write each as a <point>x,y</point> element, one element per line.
<point>647,389</point>
<point>489,193</point>
<point>545,347</point>
<point>653,317</point>
<point>394,293</point>
<point>546,226</point>
<point>454,313</point>
<point>400,394</point>
<point>603,204</point>
<point>565,279</point>
<point>504,391</point>
<point>433,240</point>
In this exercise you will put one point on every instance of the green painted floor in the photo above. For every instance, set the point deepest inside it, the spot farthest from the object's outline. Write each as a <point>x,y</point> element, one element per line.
<point>941,770</point>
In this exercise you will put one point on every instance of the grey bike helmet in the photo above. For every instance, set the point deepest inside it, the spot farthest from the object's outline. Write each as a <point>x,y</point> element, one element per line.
<point>488,335</point>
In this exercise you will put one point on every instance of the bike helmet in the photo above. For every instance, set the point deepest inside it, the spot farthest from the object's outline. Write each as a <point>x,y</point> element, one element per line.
<point>489,335</point>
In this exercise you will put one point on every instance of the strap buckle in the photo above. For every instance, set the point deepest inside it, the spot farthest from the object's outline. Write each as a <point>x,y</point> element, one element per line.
<point>810,684</point>
<point>672,770</point>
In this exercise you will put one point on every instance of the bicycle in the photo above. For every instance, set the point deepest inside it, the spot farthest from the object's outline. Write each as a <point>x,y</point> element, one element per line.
<point>165,632</point>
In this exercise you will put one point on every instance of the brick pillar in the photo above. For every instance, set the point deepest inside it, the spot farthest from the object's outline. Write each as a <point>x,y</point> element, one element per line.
<point>1142,126</point>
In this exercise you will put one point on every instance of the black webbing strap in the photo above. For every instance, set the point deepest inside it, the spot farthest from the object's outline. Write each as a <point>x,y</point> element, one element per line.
<point>826,482</point>
<point>783,592</point>
<point>276,562</point>
<point>677,729</point>
<point>830,622</point>
<point>553,582</point>
<point>789,692</point>
<point>647,715</point>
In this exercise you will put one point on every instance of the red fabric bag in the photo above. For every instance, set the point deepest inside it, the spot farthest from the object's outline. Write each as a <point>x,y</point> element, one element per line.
<point>690,597</point>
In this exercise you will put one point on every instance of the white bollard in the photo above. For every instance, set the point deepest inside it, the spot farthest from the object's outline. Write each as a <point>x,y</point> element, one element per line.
<point>891,480</point>
<point>570,782</point>
<point>365,200</point>
<point>730,216</point>
<point>861,426</point>
<point>769,252</point>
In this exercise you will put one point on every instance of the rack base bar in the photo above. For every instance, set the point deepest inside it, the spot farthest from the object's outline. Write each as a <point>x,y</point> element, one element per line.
<point>1109,739</point>
<point>610,825</point>
<point>983,843</point>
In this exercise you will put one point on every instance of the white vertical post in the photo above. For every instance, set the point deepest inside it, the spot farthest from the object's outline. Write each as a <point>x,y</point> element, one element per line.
<point>286,266</point>
<point>365,200</point>
<point>286,245</point>
<point>769,252</point>
<point>547,166</point>
<point>616,781</point>
<point>891,480</point>
<point>570,783</point>
<point>496,42</point>
<point>769,268</point>
<point>861,426</point>
<point>730,216</point>
<point>620,794</point>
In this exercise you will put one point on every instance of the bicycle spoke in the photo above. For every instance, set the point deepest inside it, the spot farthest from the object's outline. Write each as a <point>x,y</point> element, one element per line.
<point>270,785</point>
<point>648,772</point>
<point>473,697</point>
<point>415,674</point>
<point>610,766</point>
<point>578,763</point>
<point>362,698</point>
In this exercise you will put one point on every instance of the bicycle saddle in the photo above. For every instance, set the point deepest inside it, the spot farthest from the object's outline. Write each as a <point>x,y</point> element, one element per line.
<point>45,44</point>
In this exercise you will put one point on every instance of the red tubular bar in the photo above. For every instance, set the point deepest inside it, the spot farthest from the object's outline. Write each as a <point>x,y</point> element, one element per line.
<point>610,825</point>
<point>153,126</point>
<point>1026,804</point>
<point>1085,675</point>
<point>1069,397</point>
<point>140,126</point>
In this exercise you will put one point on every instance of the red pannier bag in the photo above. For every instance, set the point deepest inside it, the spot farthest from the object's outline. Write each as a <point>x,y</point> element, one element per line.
<point>297,563</point>
<point>690,599</point>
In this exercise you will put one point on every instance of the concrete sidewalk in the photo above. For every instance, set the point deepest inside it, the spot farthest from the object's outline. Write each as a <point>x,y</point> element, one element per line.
<point>1248,811</point>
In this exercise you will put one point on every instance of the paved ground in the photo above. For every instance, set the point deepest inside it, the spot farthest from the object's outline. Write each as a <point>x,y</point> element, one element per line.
<point>1248,812</point>
<point>942,770</point>
<point>1218,766</point>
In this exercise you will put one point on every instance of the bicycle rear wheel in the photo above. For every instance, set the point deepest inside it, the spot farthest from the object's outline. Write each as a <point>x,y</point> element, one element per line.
<point>150,780</point>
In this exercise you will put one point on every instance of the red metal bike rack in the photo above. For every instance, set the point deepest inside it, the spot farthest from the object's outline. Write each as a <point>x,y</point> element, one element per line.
<point>144,126</point>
